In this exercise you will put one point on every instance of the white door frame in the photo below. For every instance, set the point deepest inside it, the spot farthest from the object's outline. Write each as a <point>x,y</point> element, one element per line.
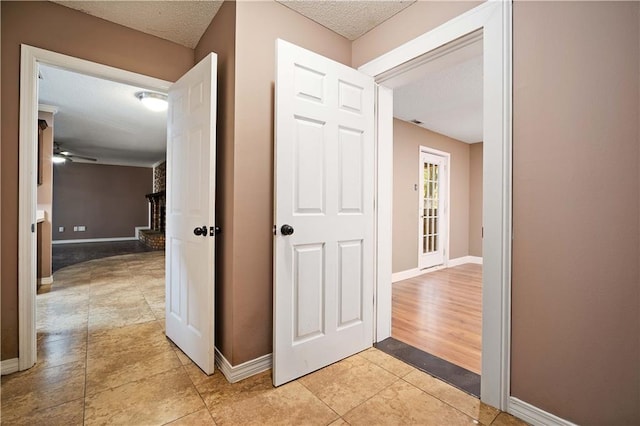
<point>445,185</point>
<point>30,57</point>
<point>494,20</point>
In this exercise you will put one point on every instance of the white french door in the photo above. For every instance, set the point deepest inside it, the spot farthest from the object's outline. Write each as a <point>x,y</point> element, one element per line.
<point>190,225</point>
<point>432,216</point>
<point>324,183</point>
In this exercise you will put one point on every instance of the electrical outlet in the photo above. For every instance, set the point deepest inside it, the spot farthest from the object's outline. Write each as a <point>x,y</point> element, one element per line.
<point>60,228</point>
<point>82,228</point>
<point>75,229</point>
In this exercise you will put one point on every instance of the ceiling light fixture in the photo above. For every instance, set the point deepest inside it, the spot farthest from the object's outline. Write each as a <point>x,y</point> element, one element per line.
<point>154,101</point>
<point>58,159</point>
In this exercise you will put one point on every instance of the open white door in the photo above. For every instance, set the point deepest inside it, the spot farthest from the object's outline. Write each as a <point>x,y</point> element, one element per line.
<point>324,184</point>
<point>190,212</point>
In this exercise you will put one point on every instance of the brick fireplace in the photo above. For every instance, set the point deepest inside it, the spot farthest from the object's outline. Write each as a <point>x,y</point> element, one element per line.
<point>154,237</point>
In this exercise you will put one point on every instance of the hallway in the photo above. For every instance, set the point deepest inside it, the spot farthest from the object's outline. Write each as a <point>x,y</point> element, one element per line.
<point>103,359</point>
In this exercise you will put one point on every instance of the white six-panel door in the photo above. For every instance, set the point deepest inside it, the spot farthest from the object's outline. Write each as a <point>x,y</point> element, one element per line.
<point>324,186</point>
<point>191,149</point>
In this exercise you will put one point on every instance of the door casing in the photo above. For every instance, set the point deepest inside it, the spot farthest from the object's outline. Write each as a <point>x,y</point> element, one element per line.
<point>30,57</point>
<point>493,22</point>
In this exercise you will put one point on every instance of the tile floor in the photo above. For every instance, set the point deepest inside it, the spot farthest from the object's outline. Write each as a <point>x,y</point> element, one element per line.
<point>103,359</point>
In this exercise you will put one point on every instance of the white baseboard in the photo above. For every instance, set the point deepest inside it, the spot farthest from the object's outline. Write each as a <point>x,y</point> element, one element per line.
<point>405,275</point>
<point>94,240</point>
<point>242,371</point>
<point>9,366</point>
<point>534,415</point>
<point>412,273</point>
<point>45,280</point>
<point>464,259</point>
<point>140,228</point>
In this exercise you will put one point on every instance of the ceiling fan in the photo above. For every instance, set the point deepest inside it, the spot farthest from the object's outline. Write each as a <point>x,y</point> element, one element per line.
<point>60,155</point>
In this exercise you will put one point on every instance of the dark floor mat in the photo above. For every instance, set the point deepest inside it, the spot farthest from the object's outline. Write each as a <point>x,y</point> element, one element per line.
<point>70,254</point>
<point>454,375</point>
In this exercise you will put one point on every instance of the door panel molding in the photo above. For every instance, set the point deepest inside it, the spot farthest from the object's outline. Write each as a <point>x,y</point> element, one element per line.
<point>324,189</point>
<point>191,188</point>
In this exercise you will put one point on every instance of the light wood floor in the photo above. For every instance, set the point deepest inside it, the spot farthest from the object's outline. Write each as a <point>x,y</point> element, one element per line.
<point>441,313</point>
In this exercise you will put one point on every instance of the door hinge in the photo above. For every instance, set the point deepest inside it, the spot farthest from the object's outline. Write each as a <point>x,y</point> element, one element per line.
<point>33,227</point>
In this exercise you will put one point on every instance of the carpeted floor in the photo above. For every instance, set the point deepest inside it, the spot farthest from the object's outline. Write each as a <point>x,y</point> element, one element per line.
<point>70,254</point>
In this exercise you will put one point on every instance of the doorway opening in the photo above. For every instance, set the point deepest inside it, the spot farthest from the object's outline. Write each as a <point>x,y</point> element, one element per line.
<point>437,286</point>
<point>190,123</point>
<point>32,59</point>
<point>103,183</point>
<point>490,23</point>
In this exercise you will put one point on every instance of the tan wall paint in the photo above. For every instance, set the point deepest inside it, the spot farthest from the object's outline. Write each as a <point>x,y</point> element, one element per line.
<point>109,200</point>
<point>60,29</point>
<point>475,199</point>
<point>259,24</point>
<point>415,20</point>
<point>220,38</point>
<point>407,139</point>
<point>576,298</point>
<point>44,198</point>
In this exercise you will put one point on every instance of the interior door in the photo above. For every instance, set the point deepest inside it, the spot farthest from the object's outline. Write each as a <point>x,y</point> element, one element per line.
<point>431,211</point>
<point>190,213</point>
<point>324,182</point>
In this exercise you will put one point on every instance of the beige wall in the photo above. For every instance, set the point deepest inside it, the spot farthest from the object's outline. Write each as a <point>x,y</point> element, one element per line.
<point>576,298</point>
<point>259,24</point>
<point>108,200</point>
<point>44,198</point>
<point>220,38</point>
<point>475,199</point>
<point>407,139</point>
<point>60,29</point>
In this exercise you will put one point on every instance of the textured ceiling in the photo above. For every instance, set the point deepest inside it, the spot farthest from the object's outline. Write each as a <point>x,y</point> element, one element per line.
<point>447,96</point>
<point>102,119</point>
<point>350,19</point>
<point>182,22</point>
